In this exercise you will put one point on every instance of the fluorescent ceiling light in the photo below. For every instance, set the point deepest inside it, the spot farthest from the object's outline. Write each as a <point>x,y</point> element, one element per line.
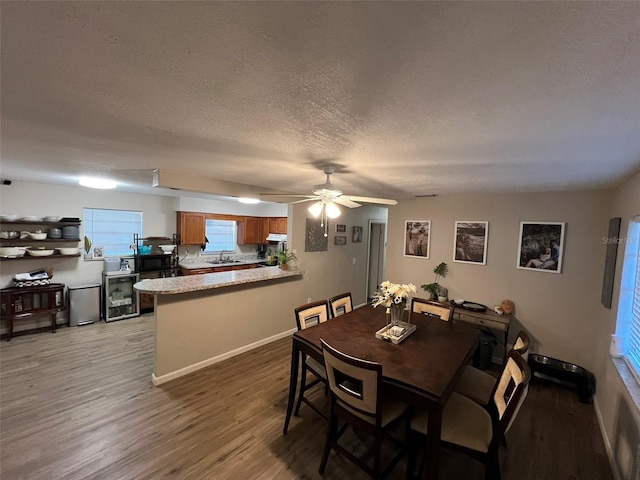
<point>332,210</point>
<point>316,209</point>
<point>248,200</point>
<point>95,182</point>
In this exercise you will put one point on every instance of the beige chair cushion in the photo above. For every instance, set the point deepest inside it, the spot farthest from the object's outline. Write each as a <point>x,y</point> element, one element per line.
<point>476,385</point>
<point>317,367</point>
<point>390,411</point>
<point>464,423</point>
<point>341,306</point>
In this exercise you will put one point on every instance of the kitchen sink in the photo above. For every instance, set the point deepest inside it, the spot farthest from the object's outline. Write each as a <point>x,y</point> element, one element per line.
<point>223,262</point>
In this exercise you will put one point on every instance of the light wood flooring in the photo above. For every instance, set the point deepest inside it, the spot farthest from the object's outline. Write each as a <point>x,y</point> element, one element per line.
<point>79,404</point>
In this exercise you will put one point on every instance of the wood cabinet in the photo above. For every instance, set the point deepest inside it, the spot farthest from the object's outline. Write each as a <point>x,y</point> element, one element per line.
<point>278,225</point>
<point>191,228</point>
<point>226,268</point>
<point>196,271</point>
<point>250,231</point>
<point>24,302</point>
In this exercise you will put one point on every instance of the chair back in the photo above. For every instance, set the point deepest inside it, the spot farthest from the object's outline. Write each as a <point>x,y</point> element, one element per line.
<point>509,392</point>
<point>341,304</point>
<point>311,314</point>
<point>354,383</point>
<point>522,343</point>
<point>431,309</point>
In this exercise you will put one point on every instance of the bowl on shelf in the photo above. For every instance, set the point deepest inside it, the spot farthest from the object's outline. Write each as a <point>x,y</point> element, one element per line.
<point>9,234</point>
<point>31,218</point>
<point>11,252</point>
<point>52,219</point>
<point>167,248</point>
<point>8,218</point>
<point>144,249</point>
<point>40,251</point>
<point>38,235</point>
<point>67,250</point>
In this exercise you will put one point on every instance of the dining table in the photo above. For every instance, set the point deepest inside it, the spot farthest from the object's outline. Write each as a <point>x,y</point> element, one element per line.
<point>422,370</point>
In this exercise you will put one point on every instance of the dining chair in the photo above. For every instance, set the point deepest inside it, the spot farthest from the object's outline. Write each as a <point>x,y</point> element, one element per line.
<point>431,309</point>
<point>340,304</point>
<point>308,315</point>
<point>355,387</point>
<point>478,385</point>
<point>471,429</point>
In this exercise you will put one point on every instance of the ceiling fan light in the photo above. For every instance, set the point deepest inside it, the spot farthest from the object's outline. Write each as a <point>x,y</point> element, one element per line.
<point>332,210</point>
<point>316,209</point>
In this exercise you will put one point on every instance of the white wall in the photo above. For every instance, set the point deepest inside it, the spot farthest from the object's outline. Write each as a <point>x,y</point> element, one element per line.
<point>560,311</point>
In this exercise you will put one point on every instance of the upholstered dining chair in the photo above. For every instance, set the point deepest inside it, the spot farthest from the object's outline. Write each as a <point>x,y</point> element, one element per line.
<point>478,385</point>
<point>308,315</point>
<point>341,304</point>
<point>431,309</point>
<point>355,387</point>
<point>471,429</point>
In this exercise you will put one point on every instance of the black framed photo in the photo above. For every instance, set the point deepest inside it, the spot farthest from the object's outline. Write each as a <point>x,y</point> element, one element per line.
<point>341,228</point>
<point>357,235</point>
<point>541,246</point>
<point>340,240</point>
<point>417,238</point>
<point>470,242</point>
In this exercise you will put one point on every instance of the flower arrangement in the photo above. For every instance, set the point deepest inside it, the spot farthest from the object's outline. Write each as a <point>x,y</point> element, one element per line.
<point>393,294</point>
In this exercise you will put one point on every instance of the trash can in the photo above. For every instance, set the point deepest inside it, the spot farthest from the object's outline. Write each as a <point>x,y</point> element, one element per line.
<point>84,304</point>
<point>484,353</point>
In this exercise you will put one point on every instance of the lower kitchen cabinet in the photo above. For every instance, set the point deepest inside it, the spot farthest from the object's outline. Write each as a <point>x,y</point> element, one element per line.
<point>24,302</point>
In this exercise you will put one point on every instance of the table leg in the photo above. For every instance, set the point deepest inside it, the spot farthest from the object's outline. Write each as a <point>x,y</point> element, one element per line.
<point>504,354</point>
<point>293,382</point>
<point>10,328</point>
<point>53,322</point>
<point>431,463</point>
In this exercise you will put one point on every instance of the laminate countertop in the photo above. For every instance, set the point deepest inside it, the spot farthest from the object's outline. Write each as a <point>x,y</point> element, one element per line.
<point>194,283</point>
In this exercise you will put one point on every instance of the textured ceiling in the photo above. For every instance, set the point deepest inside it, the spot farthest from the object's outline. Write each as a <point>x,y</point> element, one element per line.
<point>410,98</point>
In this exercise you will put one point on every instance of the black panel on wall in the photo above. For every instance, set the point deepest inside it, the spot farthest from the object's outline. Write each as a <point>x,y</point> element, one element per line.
<point>612,241</point>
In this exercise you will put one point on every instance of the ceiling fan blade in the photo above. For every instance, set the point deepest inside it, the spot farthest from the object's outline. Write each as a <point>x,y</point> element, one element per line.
<point>305,200</point>
<point>346,202</point>
<point>382,201</point>
<point>285,195</point>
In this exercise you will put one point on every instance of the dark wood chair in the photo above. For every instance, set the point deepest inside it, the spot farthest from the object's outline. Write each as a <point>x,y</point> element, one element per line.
<point>306,316</point>
<point>355,387</point>
<point>478,385</point>
<point>432,309</point>
<point>471,429</point>
<point>341,304</point>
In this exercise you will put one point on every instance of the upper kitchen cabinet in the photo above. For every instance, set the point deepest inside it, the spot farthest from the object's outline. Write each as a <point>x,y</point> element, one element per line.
<point>191,228</point>
<point>278,225</point>
<point>250,231</point>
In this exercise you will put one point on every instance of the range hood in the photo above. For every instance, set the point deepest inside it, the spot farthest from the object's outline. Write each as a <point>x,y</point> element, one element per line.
<point>277,237</point>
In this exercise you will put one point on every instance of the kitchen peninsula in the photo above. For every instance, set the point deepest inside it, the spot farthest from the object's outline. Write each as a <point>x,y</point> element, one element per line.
<point>203,319</point>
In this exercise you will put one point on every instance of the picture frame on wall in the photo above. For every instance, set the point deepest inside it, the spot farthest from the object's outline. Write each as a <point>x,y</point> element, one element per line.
<point>98,253</point>
<point>417,238</point>
<point>541,246</point>
<point>341,228</point>
<point>357,235</point>
<point>470,242</point>
<point>340,240</point>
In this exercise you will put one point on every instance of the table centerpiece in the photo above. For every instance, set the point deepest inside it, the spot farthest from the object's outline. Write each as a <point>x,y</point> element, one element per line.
<point>394,296</point>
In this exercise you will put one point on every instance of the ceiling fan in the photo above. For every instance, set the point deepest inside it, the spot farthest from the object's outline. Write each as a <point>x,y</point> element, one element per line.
<point>326,195</point>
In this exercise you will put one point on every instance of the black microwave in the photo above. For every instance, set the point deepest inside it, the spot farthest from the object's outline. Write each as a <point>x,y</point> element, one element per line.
<point>153,263</point>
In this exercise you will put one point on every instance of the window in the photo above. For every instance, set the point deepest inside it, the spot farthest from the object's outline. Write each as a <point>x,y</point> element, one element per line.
<point>221,235</point>
<point>112,229</point>
<point>629,303</point>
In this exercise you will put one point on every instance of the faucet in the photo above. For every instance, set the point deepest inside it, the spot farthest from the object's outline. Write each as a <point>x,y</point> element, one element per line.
<point>220,259</point>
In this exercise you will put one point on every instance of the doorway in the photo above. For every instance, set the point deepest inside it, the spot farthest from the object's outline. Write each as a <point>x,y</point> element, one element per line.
<point>375,264</point>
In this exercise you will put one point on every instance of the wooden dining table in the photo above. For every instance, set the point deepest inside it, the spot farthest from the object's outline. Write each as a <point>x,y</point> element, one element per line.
<point>422,370</point>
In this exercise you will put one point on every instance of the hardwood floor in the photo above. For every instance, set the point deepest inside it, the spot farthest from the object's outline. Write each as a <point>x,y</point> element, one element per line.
<point>79,404</point>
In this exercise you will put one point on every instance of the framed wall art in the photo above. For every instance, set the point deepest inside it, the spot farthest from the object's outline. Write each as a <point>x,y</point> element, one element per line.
<point>341,228</point>
<point>541,246</point>
<point>98,253</point>
<point>357,235</point>
<point>314,238</point>
<point>340,240</point>
<point>470,242</point>
<point>417,238</point>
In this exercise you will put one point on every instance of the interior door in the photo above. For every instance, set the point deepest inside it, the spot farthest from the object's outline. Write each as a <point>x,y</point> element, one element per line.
<point>376,257</point>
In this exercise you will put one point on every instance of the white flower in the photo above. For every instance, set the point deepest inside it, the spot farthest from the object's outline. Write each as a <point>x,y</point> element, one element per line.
<point>392,293</point>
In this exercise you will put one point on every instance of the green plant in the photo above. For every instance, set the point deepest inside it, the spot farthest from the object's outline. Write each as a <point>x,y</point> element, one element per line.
<point>285,257</point>
<point>87,244</point>
<point>441,271</point>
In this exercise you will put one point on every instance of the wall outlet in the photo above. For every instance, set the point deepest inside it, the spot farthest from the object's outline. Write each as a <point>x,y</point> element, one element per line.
<point>354,260</point>
<point>309,300</point>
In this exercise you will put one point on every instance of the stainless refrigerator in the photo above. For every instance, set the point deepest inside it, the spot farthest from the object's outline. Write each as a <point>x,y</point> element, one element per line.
<point>119,299</point>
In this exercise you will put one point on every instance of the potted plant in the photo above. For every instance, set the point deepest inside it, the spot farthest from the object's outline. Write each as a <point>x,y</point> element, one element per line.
<point>284,257</point>
<point>441,272</point>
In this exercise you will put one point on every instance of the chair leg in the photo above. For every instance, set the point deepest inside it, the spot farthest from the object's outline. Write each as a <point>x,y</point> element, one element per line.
<point>303,385</point>
<point>376,459</point>
<point>332,427</point>
<point>492,468</point>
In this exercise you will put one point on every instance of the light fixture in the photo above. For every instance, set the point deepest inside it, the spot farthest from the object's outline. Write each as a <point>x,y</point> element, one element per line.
<point>96,182</point>
<point>316,209</point>
<point>248,200</point>
<point>332,210</point>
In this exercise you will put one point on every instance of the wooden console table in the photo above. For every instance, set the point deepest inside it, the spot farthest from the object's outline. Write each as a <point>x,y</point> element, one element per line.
<point>487,319</point>
<point>23,302</point>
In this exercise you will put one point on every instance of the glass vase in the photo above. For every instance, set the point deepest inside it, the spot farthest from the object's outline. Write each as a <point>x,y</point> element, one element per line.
<point>396,312</point>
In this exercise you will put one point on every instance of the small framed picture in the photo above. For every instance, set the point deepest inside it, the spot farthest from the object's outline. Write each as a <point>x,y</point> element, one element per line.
<point>98,252</point>
<point>470,242</point>
<point>541,246</point>
<point>357,235</point>
<point>340,240</point>
<point>417,237</point>
<point>341,228</point>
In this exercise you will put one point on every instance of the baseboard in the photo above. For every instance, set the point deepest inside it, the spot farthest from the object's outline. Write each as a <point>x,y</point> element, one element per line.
<point>607,444</point>
<point>218,358</point>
